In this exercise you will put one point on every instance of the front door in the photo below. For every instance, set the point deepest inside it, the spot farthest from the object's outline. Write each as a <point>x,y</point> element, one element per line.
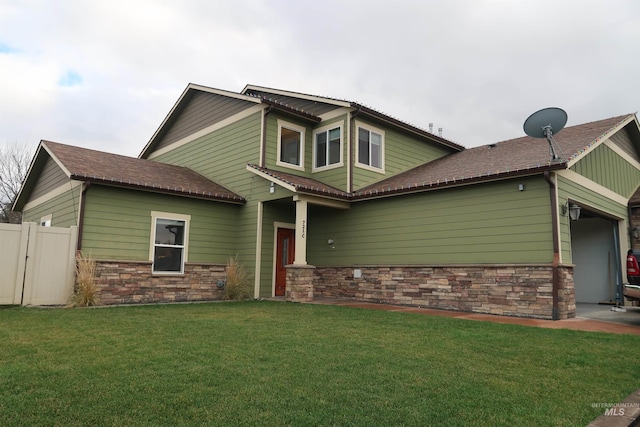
<point>285,252</point>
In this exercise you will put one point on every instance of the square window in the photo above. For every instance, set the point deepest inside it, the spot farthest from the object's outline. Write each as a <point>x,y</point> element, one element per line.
<point>290,145</point>
<point>327,147</point>
<point>169,242</point>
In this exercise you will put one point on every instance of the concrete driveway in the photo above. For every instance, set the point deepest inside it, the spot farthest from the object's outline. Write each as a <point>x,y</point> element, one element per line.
<point>604,313</point>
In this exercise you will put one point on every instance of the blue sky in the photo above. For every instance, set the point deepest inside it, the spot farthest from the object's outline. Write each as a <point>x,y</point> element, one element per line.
<point>104,74</point>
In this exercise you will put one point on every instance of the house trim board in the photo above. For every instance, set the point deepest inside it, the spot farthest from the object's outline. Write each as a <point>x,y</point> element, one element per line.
<point>556,218</point>
<point>55,159</point>
<point>592,186</point>
<point>296,95</point>
<point>322,201</point>
<point>272,179</point>
<point>58,191</point>
<point>256,274</point>
<point>620,152</point>
<point>189,88</point>
<point>209,129</point>
<point>602,139</point>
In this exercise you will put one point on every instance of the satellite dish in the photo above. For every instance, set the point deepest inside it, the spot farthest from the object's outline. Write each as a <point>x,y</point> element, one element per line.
<point>543,124</point>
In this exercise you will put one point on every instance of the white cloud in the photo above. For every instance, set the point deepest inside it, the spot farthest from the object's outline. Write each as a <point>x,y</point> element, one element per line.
<point>476,68</point>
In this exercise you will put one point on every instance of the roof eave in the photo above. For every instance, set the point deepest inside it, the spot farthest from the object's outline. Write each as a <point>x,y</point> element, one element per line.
<point>437,185</point>
<point>414,129</point>
<point>162,190</point>
<point>176,106</point>
<point>292,111</point>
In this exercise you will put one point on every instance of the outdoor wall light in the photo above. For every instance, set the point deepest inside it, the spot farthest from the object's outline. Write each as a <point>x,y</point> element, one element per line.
<point>272,188</point>
<point>574,211</point>
<point>331,243</point>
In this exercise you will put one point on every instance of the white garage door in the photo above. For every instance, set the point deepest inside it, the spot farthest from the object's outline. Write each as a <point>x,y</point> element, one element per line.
<point>595,258</point>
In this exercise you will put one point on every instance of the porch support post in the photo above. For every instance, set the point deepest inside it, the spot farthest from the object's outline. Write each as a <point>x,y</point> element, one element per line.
<point>301,232</point>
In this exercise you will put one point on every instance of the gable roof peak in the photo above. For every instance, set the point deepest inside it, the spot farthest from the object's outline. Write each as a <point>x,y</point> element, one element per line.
<point>93,166</point>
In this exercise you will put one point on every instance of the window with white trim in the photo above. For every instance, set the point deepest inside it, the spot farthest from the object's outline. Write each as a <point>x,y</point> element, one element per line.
<point>370,148</point>
<point>45,221</point>
<point>327,147</point>
<point>290,145</point>
<point>169,242</point>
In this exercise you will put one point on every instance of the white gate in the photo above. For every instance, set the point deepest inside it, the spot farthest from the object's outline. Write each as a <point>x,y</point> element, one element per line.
<point>37,264</point>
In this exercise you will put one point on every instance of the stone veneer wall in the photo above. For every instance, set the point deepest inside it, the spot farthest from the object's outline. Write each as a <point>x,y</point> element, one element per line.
<point>511,290</point>
<point>300,280</point>
<point>130,282</point>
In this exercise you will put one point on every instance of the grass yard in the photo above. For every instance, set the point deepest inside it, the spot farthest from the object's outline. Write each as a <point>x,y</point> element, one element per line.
<point>273,363</point>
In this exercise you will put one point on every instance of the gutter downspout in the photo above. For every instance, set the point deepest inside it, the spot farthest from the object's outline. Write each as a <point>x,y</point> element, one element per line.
<point>263,143</point>
<point>555,283</point>
<point>351,142</point>
<point>83,197</point>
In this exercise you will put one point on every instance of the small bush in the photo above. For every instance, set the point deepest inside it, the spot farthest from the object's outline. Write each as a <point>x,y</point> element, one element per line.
<point>238,284</point>
<point>85,292</point>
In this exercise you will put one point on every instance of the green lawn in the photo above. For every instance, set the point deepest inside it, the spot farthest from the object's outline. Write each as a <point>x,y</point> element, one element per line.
<point>272,363</point>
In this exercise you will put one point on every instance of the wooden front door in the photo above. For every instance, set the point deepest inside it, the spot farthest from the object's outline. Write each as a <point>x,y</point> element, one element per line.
<point>285,252</point>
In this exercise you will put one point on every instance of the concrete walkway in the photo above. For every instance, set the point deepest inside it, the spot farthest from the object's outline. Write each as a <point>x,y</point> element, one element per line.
<point>582,322</point>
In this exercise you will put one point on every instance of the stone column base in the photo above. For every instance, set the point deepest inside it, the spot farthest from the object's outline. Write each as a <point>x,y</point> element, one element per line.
<point>300,283</point>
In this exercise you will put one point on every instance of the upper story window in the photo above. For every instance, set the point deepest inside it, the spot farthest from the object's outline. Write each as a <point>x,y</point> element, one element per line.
<point>169,248</point>
<point>290,145</point>
<point>327,148</point>
<point>370,148</point>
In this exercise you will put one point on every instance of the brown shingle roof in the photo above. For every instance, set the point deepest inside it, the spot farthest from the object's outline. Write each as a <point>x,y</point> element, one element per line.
<point>520,156</point>
<point>122,171</point>
<point>514,157</point>
<point>302,184</point>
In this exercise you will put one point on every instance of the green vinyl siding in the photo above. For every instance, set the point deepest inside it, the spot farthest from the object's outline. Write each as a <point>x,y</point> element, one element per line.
<point>222,156</point>
<point>271,151</point>
<point>49,179</point>
<point>488,223</point>
<point>117,224</point>
<point>605,167</point>
<point>588,199</point>
<point>202,109</point>
<point>63,209</point>
<point>402,151</point>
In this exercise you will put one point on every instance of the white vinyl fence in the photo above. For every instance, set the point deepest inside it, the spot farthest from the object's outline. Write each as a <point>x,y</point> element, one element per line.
<point>37,264</point>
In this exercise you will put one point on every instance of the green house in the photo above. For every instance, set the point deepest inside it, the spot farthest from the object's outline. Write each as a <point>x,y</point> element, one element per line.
<point>320,197</point>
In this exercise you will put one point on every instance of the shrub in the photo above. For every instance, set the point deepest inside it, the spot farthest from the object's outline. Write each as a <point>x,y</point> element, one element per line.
<point>85,292</point>
<point>238,284</point>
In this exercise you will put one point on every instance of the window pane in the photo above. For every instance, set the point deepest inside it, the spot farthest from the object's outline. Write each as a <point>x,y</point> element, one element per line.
<point>290,146</point>
<point>376,150</point>
<point>169,232</point>
<point>285,251</point>
<point>321,149</point>
<point>363,146</point>
<point>334,152</point>
<point>334,146</point>
<point>167,259</point>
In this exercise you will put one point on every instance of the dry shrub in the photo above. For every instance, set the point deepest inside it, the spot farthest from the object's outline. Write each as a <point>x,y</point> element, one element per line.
<point>238,284</point>
<point>85,292</point>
